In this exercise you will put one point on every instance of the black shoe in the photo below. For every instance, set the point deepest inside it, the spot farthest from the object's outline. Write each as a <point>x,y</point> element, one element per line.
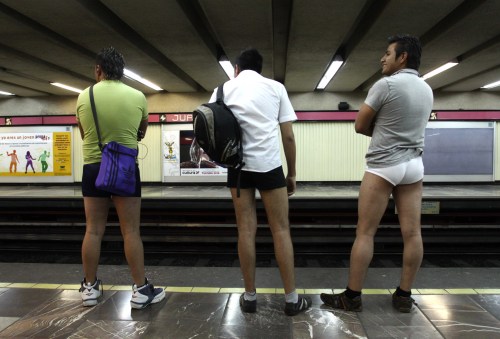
<point>295,308</point>
<point>342,302</point>
<point>402,304</point>
<point>248,306</point>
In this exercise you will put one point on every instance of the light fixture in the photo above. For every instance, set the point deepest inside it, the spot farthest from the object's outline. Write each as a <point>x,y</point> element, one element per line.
<point>136,77</point>
<point>6,93</point>
<point>69,88</point>
<point>330,72</point>
<point>492,85</point>
<point>226,66</point>
<point>440,69</point>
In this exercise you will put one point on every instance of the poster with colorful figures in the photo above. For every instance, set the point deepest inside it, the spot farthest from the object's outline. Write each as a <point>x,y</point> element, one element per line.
<point>36,154</point>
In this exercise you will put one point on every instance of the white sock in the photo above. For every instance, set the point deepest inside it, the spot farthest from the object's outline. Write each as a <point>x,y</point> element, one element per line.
<point>250,296</point>
<point>292,297</point>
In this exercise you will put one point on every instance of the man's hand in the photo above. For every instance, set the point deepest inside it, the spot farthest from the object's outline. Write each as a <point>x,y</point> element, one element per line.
<point>291,185</point>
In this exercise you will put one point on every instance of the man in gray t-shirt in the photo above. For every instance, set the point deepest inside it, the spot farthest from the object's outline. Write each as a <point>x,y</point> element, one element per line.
<point>402,103</point>
<point>394,114</point>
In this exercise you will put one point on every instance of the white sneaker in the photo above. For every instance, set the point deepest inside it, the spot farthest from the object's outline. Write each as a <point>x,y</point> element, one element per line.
<point>145,295</point>
<point>90,293</point>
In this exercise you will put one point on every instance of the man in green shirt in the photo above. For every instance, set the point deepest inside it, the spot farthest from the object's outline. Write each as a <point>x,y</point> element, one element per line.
<point>123,117</point>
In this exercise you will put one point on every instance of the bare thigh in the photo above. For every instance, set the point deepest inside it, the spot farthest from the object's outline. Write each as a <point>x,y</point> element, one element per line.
<point>96,214</point>
<point>374,195</point>
<point>245,209</point>
<point>129,213</point>
<point>408,199</point>
<point>276,205</point>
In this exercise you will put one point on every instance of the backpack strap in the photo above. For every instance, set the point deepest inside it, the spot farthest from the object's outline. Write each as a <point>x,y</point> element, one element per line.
<point>220,100</point>
<point>220,94</point>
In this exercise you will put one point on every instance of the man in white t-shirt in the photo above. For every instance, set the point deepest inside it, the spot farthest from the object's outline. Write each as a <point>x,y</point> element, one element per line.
<point>395,114</point>
<point>263,110</point>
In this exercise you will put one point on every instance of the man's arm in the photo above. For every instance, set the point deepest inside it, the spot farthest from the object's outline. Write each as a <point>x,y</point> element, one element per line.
<point>365,120</point>
<point>82,133</point>
<point>141,132</point>
<point>288,140</point>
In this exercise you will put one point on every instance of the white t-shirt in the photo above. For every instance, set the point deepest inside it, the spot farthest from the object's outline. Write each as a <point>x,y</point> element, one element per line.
<point>260,105</point>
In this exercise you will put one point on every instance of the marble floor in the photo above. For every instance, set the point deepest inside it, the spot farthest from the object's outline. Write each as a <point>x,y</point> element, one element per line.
<point>42,301</point>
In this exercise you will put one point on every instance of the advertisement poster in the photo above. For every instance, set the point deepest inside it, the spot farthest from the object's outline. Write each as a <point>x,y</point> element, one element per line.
<point>184,160</point>
<point>36,154</point>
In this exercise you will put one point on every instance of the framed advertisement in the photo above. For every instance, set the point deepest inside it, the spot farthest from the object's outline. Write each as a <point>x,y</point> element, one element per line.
<point>36,154</point>
<point>183,160</point>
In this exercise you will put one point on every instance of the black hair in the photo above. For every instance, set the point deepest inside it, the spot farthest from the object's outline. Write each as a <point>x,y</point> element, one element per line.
<point>410,45</point>
<point>111,62</point>
<point>250,59</point>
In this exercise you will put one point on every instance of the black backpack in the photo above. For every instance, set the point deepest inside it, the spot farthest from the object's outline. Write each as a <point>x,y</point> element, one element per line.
<point>217,131</point>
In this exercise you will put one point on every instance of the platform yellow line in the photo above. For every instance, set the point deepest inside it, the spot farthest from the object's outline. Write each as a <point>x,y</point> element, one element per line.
<point>178,289</point>
<point>232,290</point>
<point>69,287</point>
<point>375,291</point>
<point>22,285</point>
<point>488,290</point>
<point>310,291</point>
<point>317,290</point>
<point>120,288</point>
<point>282,291</point>
<point>461,291</point>
<point>205,290</point>
<point>432,291</point>
<point>47,286</point>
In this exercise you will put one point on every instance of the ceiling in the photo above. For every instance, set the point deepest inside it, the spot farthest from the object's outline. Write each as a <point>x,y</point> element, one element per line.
<point>176,43</point>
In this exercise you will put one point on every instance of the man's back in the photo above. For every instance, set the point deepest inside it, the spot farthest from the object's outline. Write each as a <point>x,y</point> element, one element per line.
<point>403,102</point>
<point>260,105</point>
<point>120,109</point>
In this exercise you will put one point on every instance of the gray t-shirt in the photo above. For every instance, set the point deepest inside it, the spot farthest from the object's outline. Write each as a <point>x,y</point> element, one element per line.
<point>403,102</point>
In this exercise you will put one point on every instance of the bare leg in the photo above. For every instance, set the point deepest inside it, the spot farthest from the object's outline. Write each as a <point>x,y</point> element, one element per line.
<point>246,218</point>
<point>408,200</point>
<point>96,215</point>
<point>129,214</point>
<point>374,194</point>
<point>276,205</point>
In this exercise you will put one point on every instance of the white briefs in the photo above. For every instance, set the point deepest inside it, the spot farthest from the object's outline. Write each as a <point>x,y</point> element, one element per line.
<point>402,174</point>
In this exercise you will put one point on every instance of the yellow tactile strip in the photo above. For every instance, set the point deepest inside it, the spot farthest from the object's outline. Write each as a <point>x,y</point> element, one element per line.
<point>184,289</point>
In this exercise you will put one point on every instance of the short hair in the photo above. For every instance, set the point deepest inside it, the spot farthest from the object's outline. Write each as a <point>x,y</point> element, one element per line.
<point>409,44</point>
<point>250,59</point>
<point>112,63</point>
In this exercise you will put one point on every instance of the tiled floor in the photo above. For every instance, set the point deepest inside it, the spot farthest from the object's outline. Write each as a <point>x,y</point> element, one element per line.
<point>203,303</point>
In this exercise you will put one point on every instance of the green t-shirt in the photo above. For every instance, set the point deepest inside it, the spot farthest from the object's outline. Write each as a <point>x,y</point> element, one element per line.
<point>120,110</point>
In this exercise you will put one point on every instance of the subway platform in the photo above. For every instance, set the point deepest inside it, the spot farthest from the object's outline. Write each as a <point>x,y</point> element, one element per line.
<point>41,300</point>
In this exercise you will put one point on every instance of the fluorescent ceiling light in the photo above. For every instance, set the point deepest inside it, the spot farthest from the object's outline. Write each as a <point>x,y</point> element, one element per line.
<point>330,72</point>
<point>492,85</point>
<point>227,67</point>
<point>440,69</point>
<point>6,93</point>
<point>136,77</point>
<point>69,88</point>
